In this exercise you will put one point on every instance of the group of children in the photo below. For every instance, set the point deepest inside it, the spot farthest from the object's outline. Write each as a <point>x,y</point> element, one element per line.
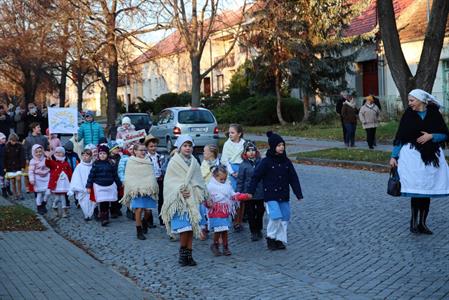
<point>191,199</point>
<point>207,197</point>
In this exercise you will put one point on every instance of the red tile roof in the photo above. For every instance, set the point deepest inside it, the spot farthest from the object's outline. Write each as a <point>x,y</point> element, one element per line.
<point>367,21</point>
<point>174,43</point>
<point>412,24</point>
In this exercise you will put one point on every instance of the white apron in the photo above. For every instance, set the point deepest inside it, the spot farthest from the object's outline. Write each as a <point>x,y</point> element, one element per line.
<point>105,193</point>
<point>417,178</point>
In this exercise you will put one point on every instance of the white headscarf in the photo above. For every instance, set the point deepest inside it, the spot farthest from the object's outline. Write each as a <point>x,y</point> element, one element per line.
<point>424,97</point>
<point>182,139</point>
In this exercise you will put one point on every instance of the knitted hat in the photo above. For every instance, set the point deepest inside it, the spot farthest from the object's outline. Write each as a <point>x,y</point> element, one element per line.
<point>89,113</point>
<point>68,146</point>
<point>90,147</point>
<point>126,120</point>
<point>2,136</point>
<point>103,148</point>
<point>247,145</point>
<point>274,140</point>
<point>113,145</point>
<point>60,149</point>
<point>102,140</point>
<point>182,139</point>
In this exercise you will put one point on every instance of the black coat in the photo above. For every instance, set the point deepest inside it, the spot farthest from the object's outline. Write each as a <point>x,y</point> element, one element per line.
<point>277,175</point>
<point>103,173</point>
<point>2,158</point>
<point>5,125</point>
<point>14,157</point>
<point>246,171</point>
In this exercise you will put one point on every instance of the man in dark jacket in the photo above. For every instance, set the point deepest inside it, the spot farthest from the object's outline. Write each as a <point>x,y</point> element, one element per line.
<point>5,121</point>
<point>338,107</point>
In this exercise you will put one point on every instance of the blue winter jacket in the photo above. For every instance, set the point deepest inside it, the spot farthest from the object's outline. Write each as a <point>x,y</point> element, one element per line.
<point>122,166</point>
<point>91,132</point>
<point>277,174</point>
<point>246,171</point>
<point>103,173</point>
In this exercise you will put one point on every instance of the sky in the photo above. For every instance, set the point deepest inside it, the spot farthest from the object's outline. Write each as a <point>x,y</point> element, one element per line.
<point>157,36</point>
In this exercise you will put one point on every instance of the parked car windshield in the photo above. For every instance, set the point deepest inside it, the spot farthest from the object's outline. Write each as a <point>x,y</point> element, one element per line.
<point>195,117</point>
<point>139,120</point>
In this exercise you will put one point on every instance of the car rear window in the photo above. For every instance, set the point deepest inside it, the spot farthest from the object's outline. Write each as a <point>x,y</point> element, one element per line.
<point>195,117</point>
<point>139,120</point>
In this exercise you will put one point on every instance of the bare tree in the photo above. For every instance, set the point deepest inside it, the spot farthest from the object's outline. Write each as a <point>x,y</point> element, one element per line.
<point>26,44</point>
<point>196,21</point>
<point>433,43</point>
<point>115,22</point>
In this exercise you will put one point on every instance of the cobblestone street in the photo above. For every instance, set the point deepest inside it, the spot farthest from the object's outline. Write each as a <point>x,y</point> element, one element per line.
<point>347,240</point>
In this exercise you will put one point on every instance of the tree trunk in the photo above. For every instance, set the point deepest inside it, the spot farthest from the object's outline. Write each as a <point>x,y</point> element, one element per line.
<point>278,97</point>
<point>429,60</point>
<point>306,104</point>
<point>433,43</point>
<point>62,85</point>
<point>29,86</point>
<point>196,80</point>
<point>398,66</point>
<point>112,95</point>
<point>79,90</point>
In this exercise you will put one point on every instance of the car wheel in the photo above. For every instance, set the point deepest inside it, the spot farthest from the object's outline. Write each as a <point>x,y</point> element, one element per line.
<point>169,145</point>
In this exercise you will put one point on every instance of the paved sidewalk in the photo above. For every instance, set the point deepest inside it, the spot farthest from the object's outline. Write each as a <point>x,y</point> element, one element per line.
<point>299,144</point>
<point>43,265</point>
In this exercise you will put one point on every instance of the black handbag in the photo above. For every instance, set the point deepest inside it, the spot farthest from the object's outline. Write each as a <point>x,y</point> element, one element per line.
<point>394,184</point>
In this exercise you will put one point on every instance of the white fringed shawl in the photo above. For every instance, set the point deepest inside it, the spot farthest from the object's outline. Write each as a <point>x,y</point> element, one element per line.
<point>179,177</point>
<point>139,180</point>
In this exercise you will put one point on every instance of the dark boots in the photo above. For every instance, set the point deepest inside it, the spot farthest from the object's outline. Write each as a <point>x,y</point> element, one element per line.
<point>414,218</point>
<point>271,244</point>
<point>4,192</point>
<point>421,206</point>
<point>140,235</point>
<point>104,216</point>
<point>150,221</point>
<point>185,257</point>
<point>423,213</point>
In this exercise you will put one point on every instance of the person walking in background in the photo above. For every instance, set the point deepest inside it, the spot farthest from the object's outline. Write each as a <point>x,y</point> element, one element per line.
<point>255,206</point>
<point>90,131</point>
<point>32,116</point>
<point>277,174</point>
<point>15,164</point>
<point>5,121</point>
<point>419,157</point>
<point>20,122</point>
<point>35,137</point>
<point>369,117</point>
<point>338,107</point>
<point>349,114</point>
<point>53,141</point>
<point>2,166</point>
<point>232,158</point>
<point>141,188</point>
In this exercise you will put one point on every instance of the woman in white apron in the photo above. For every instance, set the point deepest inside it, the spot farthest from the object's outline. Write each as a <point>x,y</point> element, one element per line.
<point>418,154</point>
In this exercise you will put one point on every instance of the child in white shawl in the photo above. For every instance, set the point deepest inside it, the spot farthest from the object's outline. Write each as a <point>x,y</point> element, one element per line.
<point>78,184</point>
<point>184,190</point>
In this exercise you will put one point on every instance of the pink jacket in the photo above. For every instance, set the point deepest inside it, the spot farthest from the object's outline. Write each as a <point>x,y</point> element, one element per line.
<point>38,173</point>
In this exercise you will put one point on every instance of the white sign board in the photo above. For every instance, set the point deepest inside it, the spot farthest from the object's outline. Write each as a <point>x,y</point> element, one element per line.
<point>62,120</point>
<point>134,136</point>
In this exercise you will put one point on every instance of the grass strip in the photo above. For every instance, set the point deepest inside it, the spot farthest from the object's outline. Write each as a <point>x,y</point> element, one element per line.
<point>19,218</point>
<point>348,154</point>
